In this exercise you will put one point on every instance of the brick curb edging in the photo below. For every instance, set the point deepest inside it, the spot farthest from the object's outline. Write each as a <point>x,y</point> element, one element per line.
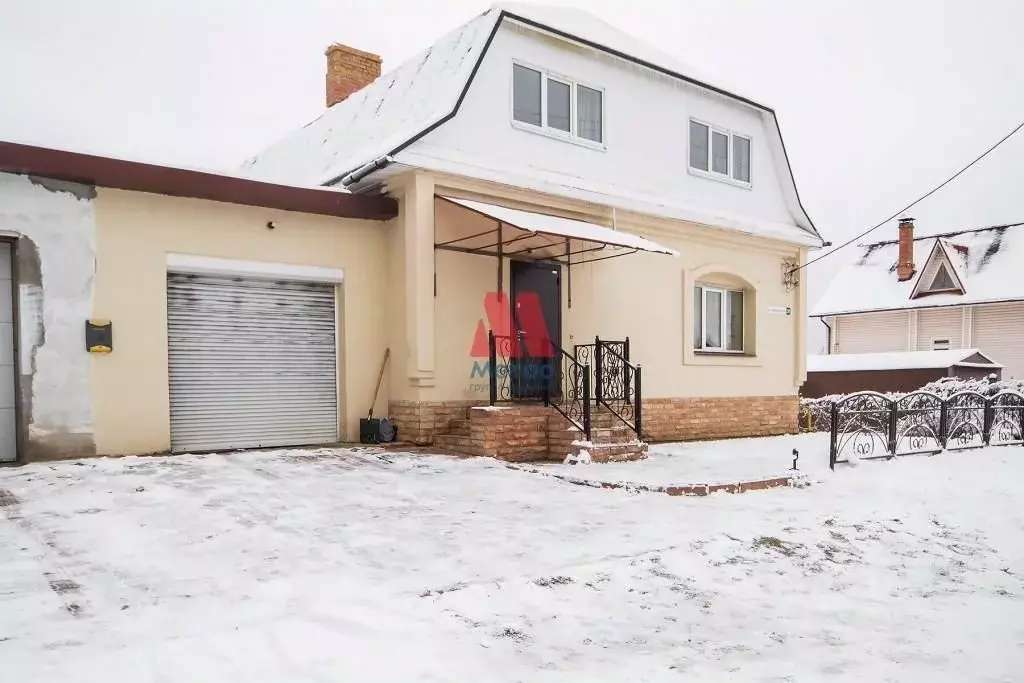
<point>687,490</point>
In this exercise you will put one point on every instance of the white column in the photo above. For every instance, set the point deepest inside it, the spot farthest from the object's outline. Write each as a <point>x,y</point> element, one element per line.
<point>418,234</point>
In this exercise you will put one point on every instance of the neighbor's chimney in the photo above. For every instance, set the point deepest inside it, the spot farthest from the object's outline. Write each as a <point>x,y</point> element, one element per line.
<point>349,70</point>
<point>905,264</point>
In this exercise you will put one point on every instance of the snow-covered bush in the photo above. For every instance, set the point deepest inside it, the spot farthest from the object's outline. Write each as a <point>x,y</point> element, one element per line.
<point>816,413</point>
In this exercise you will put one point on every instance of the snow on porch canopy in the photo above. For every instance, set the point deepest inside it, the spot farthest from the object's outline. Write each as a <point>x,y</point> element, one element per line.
<point>479,228</point>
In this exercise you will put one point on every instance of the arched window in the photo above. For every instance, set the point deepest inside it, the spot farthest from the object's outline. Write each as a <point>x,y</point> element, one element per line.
<point>723,312</point>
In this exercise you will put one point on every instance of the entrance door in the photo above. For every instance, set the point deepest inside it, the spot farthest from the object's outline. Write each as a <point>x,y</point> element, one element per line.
<point>8,384</point>
<point>537,321</point>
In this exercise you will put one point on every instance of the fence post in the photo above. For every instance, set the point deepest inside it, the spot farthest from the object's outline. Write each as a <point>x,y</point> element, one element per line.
<point>987,421</point>
<point>625,350</point>
<point>638,403</point>
<point>892,428</point>
<point>943,424</point>
<point>586,401</point>
<point>832,451</point>
<point>597,370</point>
<point>492,363</point>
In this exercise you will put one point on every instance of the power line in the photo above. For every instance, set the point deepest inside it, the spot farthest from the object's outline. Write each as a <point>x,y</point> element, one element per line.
<point>916,201</point>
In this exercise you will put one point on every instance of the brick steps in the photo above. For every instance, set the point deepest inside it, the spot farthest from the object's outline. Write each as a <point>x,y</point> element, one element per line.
<point>525,433</point>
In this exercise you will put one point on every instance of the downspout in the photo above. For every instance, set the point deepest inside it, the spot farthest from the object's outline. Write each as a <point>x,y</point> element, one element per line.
<point>828,337</point>
<point>361,172</point>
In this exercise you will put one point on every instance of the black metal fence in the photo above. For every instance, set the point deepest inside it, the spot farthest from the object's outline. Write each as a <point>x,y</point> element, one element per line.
<point>869,425</point>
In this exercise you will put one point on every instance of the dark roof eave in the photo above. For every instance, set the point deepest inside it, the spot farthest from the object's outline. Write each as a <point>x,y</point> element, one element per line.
<point>179,182</point>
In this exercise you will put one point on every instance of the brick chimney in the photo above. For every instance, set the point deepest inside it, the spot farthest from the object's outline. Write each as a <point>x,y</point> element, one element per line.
<point>905,264</point>
<point>349,70</point>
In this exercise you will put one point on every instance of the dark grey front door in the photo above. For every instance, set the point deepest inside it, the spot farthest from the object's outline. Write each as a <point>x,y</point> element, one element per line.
<point>536,322</point>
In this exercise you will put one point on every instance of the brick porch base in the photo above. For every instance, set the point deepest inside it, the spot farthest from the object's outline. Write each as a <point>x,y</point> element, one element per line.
<point>664,419</point>
<point>692,419</point>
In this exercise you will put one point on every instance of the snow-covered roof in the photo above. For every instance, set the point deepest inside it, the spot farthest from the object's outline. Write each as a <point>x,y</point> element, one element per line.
<point>372,127</point>
<point>901,360</point>
<point>986,262</point>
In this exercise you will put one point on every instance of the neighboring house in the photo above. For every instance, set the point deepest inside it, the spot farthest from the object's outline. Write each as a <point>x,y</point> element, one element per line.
<point>535,158</point>
<point>527,147</point>
<point>957,290</point>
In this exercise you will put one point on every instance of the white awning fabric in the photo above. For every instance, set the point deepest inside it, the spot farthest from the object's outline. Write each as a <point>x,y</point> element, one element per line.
<point>586,235</point>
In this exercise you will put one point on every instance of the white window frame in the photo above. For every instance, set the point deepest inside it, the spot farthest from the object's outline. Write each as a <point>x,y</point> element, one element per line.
<point>543,129</point>
<point>714,175</point>
<point>948,344</point>
<point>724,320</point>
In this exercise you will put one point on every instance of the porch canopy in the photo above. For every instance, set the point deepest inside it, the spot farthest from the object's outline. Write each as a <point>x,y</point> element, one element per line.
<point>486,229</point>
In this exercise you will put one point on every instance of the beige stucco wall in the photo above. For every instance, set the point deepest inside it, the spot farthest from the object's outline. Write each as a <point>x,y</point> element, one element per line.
<point>647,297</point>
<point>135,232</point>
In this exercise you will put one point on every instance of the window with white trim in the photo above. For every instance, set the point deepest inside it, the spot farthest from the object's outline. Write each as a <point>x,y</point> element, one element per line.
<point>718,152</point>
<point>718,319</point>
<point>557,105</point>
<point>940,345</point>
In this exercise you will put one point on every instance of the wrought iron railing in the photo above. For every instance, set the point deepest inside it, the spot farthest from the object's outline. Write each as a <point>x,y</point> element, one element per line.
<point>550,376</point>
<point>616,382</point>
<point>869,425</point>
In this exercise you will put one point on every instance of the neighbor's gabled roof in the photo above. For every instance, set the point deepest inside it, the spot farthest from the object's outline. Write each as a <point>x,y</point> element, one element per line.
<point>374,125</point>
<point>987,263</point>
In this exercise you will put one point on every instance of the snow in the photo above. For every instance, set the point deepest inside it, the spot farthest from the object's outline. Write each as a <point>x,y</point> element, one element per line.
<point>988,273</point>
<point>553,225</point>
<point>896,360</point>
<point>715,462</point>
<point>376,120</point>
<point>349,564</point>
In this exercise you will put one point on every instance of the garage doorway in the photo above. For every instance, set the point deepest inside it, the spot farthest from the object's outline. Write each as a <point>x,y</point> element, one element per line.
<point>8,366</point>
<point>252,362</point>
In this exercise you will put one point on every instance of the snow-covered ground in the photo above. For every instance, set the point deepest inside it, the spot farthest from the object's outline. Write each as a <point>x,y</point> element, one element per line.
<point>343,566</point>
<point>711,462</point>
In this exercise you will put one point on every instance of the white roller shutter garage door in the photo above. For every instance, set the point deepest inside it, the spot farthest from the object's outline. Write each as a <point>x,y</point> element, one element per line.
<point>253,363</point>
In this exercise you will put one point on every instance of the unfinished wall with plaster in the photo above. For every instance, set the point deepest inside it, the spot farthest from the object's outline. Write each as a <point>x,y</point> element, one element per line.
<point>54,266</point>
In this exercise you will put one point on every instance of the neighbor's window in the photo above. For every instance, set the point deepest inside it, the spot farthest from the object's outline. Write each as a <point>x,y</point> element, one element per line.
<point>557,105</point>
<point>942,280</point>
<point>719,152</point>
<point>717,319</point>
<point>940,345</point>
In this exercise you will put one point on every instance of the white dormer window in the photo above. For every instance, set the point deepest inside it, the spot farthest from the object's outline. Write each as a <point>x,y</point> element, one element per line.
<point>718,153</point>
<point>557,105</point>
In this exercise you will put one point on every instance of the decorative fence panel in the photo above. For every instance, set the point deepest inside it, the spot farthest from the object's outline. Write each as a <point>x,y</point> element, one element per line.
<point>869,425</point>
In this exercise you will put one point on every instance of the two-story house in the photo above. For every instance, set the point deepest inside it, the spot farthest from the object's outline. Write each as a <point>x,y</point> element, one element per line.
<point>956,290</point>
<point>558,178</point>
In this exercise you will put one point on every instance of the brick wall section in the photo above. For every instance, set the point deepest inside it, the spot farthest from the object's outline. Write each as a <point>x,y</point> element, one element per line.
<point>349,70</point>
<point>686,419</point>
<point>420,422</point>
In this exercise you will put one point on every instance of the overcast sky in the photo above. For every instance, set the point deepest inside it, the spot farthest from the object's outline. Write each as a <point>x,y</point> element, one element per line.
<point>878,99</point>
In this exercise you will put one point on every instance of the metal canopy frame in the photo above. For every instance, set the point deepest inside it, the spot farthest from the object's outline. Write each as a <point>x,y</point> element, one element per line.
<point>498,248</point>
